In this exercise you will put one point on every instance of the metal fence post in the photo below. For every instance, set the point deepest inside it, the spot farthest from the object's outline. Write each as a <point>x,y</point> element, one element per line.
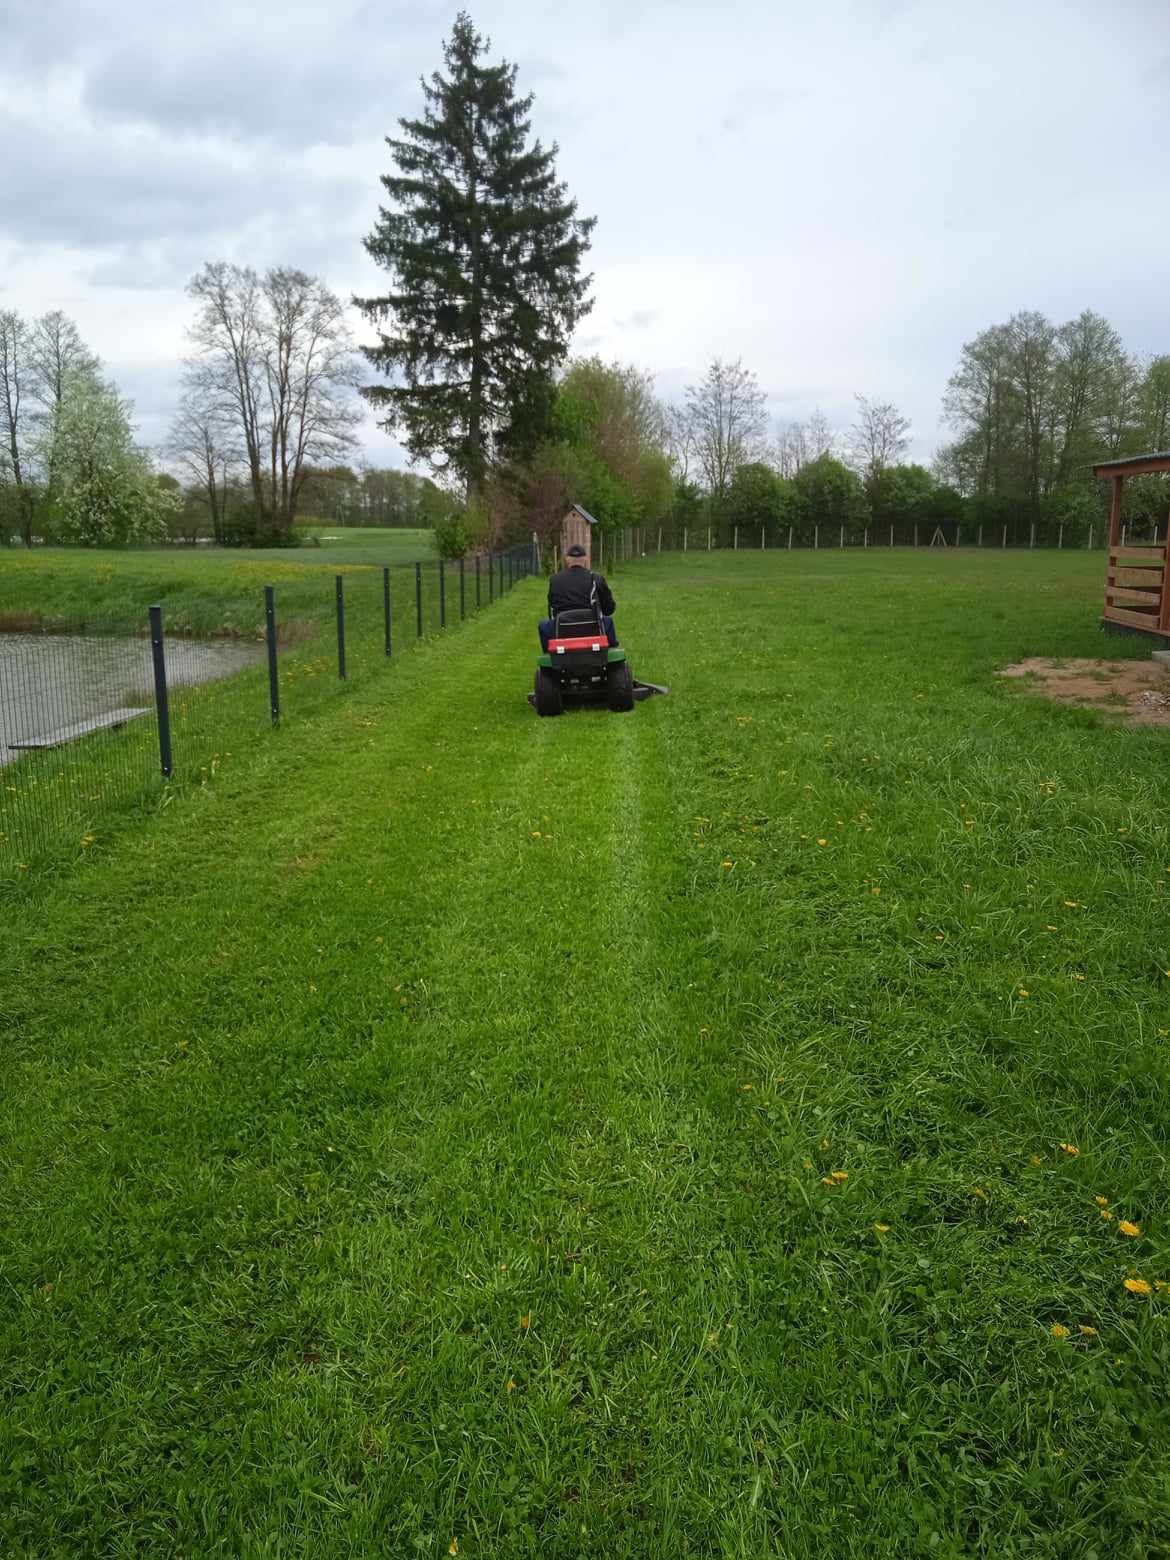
<point>491,577</point>
<point>462,590</point>
<point>958,534</point>
<point>442,594</point>
<point>340,628</point>
<point>161,705</point>
<point>816,536</point>
<point>916,534</point>
<point>270,635</point>
<point>659,538</point>
<point>891,536</point>
<point>1032,535</point>
<point>418,598</point>
<point>477,600</point>
<point>684,538</point>
<point>789,538</point>
<point>979,540</point>
<point>1060,538</point>
<point>1003,543</point>
<point>386,618</point>
<point>841,538</point>
<point>1090,538</point>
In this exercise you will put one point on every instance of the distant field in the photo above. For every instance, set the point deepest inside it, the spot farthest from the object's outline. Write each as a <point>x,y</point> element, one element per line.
<point>204,590</point>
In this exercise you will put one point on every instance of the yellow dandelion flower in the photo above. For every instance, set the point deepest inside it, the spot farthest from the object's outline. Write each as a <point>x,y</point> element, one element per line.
<point>453,1547</point>
<point>1051,928</point>
<point>838,1175</point>
<point>1102,1202</point>
<point>1070,1148</point>
<point>822,842</point>
<point>727,864</point>
<point>1128,1228</point>
<point>882,1229</point>
<point>511,1385</point>
<point>1106,1213</point>
<point>1137,1286</point>
<point>1035,1160</point>
<point>827,1180</point>
<point>977,1191</point>
<point>526,1322</point>
<point>1087,1332</point>
<point>536,834</point>
<point>1022,992</point>
<point>1058,1330</point>
<point>1072,904</point>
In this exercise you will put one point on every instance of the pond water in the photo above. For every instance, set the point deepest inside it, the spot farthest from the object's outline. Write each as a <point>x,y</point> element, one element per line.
<point>54,687</point>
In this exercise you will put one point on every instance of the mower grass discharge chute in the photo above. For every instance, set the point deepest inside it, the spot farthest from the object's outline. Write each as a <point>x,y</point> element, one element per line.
<point>580,666</point>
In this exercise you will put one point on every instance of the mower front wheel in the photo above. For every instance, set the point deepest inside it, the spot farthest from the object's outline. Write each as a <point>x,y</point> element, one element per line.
<point>549,698</point>
<point>620,687</point>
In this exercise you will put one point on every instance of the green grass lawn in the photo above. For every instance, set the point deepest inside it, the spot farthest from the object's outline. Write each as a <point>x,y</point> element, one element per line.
<point>647,1135</point>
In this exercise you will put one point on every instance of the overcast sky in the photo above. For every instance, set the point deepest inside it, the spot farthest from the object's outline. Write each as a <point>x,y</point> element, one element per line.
<point>841,193</point>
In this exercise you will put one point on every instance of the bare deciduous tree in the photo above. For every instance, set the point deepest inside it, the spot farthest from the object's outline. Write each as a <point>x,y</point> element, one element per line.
<point>203,444</point>
<point>275,353</point>
<point>819,436</point>
<point>728,421</point>
<point>879,438</point>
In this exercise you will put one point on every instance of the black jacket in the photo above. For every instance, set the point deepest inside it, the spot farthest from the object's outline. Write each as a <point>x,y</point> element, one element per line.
<point>574,588</point>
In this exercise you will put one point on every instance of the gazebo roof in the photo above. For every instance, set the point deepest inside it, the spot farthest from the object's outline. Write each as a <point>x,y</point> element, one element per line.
<point>1133,465</point>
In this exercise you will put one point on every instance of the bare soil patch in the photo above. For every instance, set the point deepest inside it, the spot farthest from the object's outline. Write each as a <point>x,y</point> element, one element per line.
<point>1135,692</point>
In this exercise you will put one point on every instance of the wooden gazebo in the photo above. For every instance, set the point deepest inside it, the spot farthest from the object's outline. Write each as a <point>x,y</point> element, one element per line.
<point>1136,588</point>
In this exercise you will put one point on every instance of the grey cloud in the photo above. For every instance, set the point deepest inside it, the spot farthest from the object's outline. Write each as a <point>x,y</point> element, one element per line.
<point>79,190</point>
<point>293,101</point>
<point>640,319</point>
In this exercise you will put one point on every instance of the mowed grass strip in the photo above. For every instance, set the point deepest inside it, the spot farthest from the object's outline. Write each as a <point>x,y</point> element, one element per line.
<point>704,1131</point>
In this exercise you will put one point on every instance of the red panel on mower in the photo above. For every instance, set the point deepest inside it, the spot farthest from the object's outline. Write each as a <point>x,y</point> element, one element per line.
<point>595,642</point>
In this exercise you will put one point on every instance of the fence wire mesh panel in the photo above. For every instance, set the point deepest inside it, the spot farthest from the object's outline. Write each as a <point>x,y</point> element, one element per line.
<point>78,737</point>
<point>81,744</point>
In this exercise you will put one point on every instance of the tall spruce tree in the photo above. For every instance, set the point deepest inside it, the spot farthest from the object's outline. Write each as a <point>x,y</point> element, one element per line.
<point>484,249</point>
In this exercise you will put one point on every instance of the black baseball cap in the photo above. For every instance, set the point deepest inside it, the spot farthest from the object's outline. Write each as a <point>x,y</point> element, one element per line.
<point>576,551</point>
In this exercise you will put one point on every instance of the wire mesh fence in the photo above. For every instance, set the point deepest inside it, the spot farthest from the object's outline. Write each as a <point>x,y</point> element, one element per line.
<point>622,546</point>
<point>98,721</point>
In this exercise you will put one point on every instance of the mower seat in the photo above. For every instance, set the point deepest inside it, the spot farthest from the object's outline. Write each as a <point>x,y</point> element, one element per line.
<point>577,623</point>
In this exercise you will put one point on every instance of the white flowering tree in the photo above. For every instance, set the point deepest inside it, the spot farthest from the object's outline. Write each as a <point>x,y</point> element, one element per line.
<point>104,491</point>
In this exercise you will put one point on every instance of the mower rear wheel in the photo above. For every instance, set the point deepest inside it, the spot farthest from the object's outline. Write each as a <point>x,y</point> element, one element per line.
<point>620,687</point>
<point>549,698</point>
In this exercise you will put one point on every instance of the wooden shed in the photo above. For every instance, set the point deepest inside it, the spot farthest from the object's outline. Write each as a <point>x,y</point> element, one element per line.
<point>577,528</point>
<point>1136,593</point>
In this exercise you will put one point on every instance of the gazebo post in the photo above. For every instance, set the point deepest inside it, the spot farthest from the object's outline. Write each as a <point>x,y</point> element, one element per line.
<point>1115,513</point>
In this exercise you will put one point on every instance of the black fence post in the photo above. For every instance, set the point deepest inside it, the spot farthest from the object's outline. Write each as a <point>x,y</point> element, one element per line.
<point>462,589</point>
<point>270,635</point>
<point>418,598</point>
<point>340,628</point>
<point>160,692</point>
<point>477,600</point>
<point>491,577</point>
<point>386,607</point>
<point>510,562</point>
<point>442,594</point>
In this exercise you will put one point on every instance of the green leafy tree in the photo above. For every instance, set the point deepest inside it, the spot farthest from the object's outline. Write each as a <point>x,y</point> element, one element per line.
<point>484,249</point>
<point>103,489</point>
<point>757,497</point>
<point>827,494</point>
